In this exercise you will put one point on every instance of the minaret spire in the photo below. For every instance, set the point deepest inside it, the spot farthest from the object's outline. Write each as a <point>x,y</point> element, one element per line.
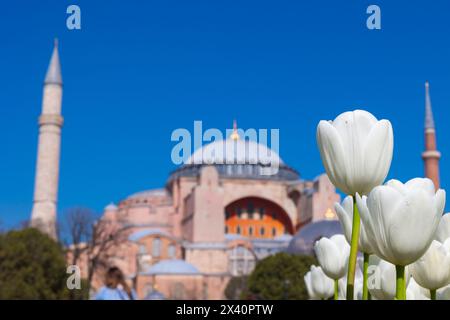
<point>43,214</point>
<point>54,68</point>
<point>429,120</point>
<point>431,155</point>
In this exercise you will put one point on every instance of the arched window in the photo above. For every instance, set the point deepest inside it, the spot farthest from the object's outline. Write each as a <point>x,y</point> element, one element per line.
<point>274,231</point>
<point>250,231</point>
<point>241,261</point>
<point>262,231</point>
<point>156,247</point>
<point>171,251</point>
<point>262,211</point>
<point>142,249</point>
<point>250,207</point>
<point>238,230</point>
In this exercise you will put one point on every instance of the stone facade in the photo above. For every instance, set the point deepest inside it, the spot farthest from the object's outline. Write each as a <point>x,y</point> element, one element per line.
<point>214,223</point>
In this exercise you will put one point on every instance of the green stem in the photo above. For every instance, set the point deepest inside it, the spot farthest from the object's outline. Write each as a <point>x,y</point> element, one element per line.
<point>401,285</point>
<point>433,294</point>
<point>365,276</point>
<point>336,290</point>
<point>353,251</point>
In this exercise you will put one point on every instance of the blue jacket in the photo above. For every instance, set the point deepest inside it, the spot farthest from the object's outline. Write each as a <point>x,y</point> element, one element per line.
<point>106,293</point>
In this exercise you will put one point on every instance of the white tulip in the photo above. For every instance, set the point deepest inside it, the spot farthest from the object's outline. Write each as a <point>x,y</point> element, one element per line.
<point>443,293</point>
<point>356,150</point>
<point>345,215</point>
<point>318,285</point>
<point>401,219</point>
<point>416,292</point>
<point>332,255</point>
<point>443,230</point>
<point>432,270</point>
<point>382,278</point>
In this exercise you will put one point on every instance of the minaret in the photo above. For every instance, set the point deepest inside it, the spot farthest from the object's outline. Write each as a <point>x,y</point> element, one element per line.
<point>430,156</point>
<point>43,215</point>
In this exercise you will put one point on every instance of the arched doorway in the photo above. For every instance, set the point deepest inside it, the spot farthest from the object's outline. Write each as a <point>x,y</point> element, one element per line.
<point>255,217</point>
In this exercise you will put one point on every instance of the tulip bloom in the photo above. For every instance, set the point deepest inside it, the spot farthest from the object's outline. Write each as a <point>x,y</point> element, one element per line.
<point>416,292</point>
<point>443,230</point>
<point>345,214</point>
<point>382,279</point>
<point>356,151</point>
<point>432,270</point>
<point>318,285</point>
<point>401,221</point>
<point>444,293</point>
<point>332,255</point>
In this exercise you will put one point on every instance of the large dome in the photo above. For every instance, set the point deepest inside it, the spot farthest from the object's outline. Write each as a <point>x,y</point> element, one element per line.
<point>235,151</point>
<point>237,158</point>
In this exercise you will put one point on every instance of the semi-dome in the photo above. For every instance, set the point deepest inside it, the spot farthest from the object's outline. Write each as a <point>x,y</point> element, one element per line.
<point>303,241</point>
<point>148,194</point>
<point>172,266</point>
<point>155,295</point>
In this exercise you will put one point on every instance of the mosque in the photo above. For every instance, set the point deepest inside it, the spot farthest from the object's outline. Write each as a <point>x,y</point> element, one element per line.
<point>212,220</point>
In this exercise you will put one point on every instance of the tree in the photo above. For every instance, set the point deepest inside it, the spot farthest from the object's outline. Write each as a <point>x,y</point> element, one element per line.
<point>280,277</point>
<point>91,239</point>
<point>32,266</point>
<point>236,287</point>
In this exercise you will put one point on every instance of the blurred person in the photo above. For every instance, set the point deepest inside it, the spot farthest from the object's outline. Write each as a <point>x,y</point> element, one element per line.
<point>115,287</point>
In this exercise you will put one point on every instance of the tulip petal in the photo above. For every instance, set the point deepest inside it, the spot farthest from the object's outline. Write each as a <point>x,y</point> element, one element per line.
<point>439,199</point>
<point>332,154</point>
<point>345,215</point>
<point>421,183</point>
<point>366,220</point>
<point>378,150</point>
<point>396,184</point>
<point>353,129</point>
<point>443,230</point>
<point>382,204</point>
<point>409,231</point>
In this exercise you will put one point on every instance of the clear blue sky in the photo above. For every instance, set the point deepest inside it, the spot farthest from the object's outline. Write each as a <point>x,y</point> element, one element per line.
<point>139,69</point>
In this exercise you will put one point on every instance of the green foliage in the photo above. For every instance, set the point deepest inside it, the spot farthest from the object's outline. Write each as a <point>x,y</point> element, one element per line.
<point>79,294</point>
<point>32,266</point>
<point>236,287</point>
<point>280,277</point>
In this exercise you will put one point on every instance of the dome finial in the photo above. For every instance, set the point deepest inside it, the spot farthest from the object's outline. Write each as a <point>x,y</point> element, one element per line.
<point>235,134</point>
<point>330,215</point>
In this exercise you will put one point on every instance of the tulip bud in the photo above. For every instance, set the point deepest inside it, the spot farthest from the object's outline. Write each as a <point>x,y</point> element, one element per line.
<point>332,255</point>
<point>318,285</point>
<point>432,270</point>
<point>356,150</point>
<point>401,219</point>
